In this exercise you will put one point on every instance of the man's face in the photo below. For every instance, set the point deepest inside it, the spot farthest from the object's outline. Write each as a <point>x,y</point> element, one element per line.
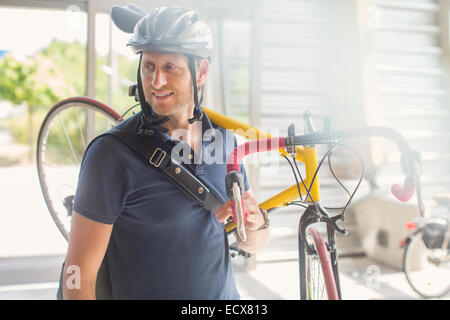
<point>167,82</point>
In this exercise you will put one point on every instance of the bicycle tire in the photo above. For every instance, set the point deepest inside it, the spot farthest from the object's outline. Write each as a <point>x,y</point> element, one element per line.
<point>318,282</point>
<point>63,137</point>
<point>423,275</point>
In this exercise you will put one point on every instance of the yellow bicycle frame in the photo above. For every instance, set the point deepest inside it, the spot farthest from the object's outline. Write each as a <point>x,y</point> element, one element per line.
<point>307,155</point>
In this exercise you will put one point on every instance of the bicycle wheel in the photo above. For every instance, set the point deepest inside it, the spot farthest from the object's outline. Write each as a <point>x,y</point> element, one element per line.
<point>63,137</point>
<point>427,270</point>
<point>316,273</point>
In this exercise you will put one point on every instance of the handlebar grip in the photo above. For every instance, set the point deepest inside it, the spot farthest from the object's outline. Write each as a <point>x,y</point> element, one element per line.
<point>232,177</point>
<point>235,157</point>
<point>404,193</point>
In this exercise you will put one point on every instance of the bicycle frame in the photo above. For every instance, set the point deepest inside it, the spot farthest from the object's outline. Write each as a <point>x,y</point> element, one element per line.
<point>306,155</point>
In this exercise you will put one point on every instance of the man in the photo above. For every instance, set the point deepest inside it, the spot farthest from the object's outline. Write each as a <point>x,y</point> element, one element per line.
<point>159,243</point>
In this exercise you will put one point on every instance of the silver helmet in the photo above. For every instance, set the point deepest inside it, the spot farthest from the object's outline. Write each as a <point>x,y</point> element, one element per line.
<point>173,29</point>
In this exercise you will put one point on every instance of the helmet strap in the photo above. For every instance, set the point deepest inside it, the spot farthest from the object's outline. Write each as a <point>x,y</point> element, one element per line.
<point>198,111</point>
<point>149,114</point>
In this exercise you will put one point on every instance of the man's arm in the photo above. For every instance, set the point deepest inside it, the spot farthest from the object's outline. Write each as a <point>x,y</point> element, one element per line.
<point>88,242</point>
<point>256,239</point>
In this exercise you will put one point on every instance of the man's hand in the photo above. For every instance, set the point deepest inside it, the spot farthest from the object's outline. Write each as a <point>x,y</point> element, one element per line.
<point>254,216</point>
<point>256,239</point>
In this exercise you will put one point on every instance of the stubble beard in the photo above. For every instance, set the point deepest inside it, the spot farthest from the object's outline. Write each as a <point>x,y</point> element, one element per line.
<point>177,107</point>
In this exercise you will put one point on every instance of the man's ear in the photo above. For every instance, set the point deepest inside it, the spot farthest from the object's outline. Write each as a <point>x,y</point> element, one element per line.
<point>202,72</point>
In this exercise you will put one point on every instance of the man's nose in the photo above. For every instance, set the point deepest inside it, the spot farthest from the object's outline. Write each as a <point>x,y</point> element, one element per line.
<point>159,79</point>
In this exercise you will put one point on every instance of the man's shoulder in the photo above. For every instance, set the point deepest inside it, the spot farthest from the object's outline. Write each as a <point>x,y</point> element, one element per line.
<point>108,138</point>
<point>103,146</point>
<point>128,124</point>
<point>212,128</point>
<point>106,143</point>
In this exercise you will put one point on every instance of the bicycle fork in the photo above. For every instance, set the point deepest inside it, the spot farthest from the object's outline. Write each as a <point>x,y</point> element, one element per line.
<point>314,214</point>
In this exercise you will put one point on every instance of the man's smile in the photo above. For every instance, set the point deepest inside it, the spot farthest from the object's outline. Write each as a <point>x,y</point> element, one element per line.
<point>162,94</point>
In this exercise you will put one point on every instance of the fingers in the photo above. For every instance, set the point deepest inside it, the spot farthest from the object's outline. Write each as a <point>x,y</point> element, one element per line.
<point>247,195</point>
<point>250,204</point>
<point>254,218</point>
<point>252,213</point>
<point>224,212</point>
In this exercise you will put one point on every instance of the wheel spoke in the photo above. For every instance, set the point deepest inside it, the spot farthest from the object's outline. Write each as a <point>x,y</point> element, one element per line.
<point>83,140</point>
<point>68,140</point>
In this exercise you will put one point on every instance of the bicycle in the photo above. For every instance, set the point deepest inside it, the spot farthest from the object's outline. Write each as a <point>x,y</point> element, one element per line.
<point>76,121</point>
<point>318,260</point>
<point>426,259</point>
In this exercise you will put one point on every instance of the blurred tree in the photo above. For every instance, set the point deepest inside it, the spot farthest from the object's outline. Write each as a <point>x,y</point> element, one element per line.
<point>55,73</point>
<point>69,59</point>
<point>33,82</point>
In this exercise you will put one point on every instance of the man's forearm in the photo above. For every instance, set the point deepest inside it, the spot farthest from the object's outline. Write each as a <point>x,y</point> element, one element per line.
<point>86,292</point>
<point>78,287</point>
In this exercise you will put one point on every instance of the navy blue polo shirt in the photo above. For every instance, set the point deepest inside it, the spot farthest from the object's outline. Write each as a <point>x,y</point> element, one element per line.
<point>163,244</point>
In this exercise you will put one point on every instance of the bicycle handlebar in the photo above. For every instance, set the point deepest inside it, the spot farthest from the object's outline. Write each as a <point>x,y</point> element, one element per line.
<point>410,159</point>
<point>254,146</point>
<point>333,136</point>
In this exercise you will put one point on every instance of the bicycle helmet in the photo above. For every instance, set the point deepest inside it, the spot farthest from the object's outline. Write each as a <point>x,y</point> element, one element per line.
<point>174,30</point>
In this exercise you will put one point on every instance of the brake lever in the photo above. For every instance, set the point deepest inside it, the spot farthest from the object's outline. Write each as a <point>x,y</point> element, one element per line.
<point>234,183</point>
<point>239,212</point>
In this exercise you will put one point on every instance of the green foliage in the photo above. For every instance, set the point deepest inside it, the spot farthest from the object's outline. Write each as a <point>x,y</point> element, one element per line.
<point>69,58</point>
<point>120,101</point>
<point>20,83</point>
<point>19,126</point>
<point>31,83</point>
<point>52,74</point>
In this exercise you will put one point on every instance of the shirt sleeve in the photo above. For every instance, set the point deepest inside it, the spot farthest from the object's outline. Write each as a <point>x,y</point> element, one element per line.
<point>102,183</point>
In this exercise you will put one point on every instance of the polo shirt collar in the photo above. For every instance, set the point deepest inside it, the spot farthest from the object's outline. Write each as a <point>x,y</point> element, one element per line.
<point>162,136</point>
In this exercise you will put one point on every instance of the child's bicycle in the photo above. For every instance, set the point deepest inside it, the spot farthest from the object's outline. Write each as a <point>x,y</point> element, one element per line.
<point>72,123</point>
